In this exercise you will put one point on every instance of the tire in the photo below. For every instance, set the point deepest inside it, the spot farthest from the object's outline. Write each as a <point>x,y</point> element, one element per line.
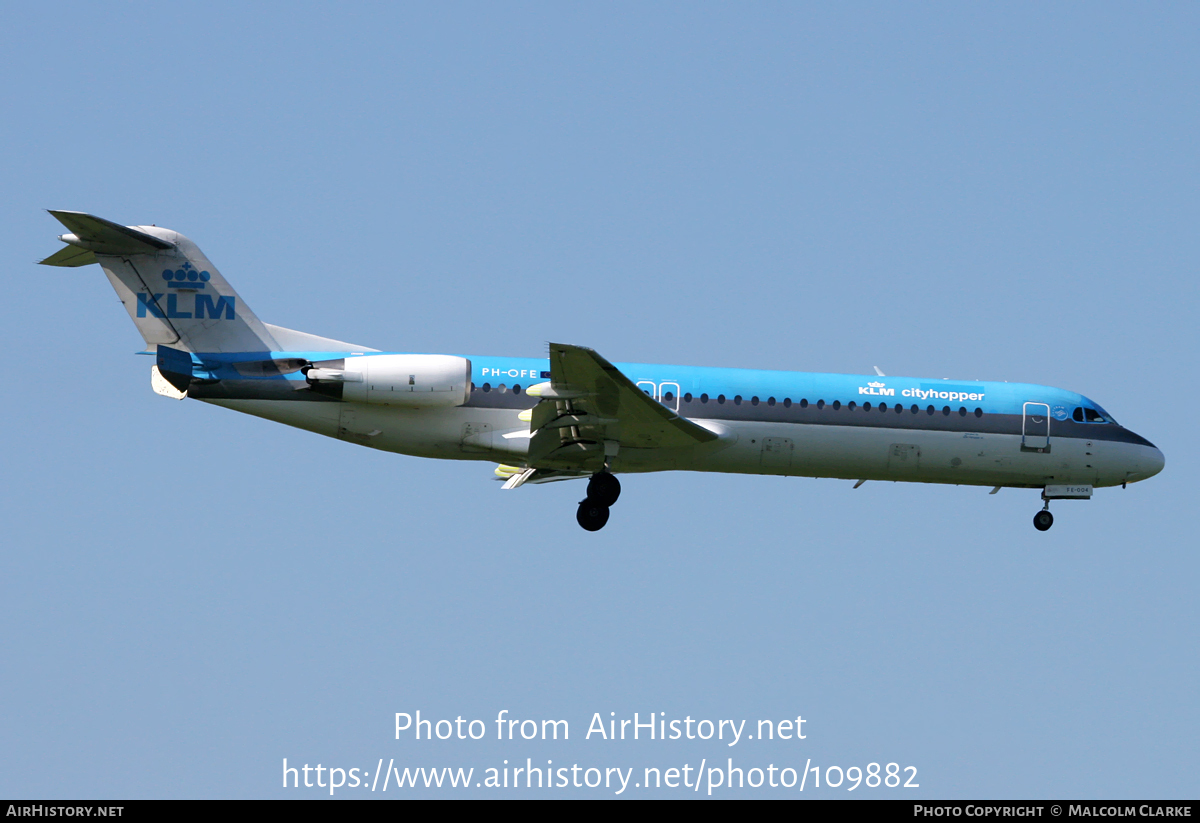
<point>1043,520</point>
<point>591,515</point>
<point>604,488</point>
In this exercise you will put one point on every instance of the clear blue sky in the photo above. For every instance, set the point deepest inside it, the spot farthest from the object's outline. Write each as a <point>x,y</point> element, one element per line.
<point>1003,192</point>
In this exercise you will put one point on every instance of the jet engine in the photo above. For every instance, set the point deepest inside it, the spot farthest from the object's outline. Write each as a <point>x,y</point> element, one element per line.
<point>420,381</point>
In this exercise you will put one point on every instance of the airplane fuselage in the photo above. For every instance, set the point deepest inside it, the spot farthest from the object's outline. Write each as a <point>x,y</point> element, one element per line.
<point>769,422</point>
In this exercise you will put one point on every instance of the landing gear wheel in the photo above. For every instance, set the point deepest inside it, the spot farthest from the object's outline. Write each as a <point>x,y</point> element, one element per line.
<point>1043,520</point>
<point>591,515</point>
<point>604,489</point>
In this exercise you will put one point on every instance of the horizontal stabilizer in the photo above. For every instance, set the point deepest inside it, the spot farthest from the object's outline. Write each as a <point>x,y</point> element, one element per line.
<point>70,256</point>
<point>104,236</point>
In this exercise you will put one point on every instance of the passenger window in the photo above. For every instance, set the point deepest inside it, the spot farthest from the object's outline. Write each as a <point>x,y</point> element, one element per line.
<point>899,408</point>
<point>720,398</point>
<point>669,396</point>
<point>771,401</point>
<point>979,412</point>
<point>516,388</point>
<point>487,386</point>
<point>704,398</point>
<point>851,406</point>
<point>803,403</point>
<point>946,411</point>
<point>754,400</point>
<point>962,411</point>
<point>502,388</point>
<point>820,404</point>
<point>915,408</point>
<point>837,404</point>
<point>930,410</point>
<point>737,400</point>
<point>687,398</point>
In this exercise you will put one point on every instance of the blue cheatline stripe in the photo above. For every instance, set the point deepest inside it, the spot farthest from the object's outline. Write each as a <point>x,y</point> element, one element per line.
<point>991,397</point>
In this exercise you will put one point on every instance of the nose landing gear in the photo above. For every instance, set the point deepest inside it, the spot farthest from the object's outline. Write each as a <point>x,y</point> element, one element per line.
<point>1043,520</point>
<point>603,491</point>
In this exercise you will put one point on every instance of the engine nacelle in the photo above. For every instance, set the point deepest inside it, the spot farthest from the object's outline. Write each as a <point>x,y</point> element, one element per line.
<point>420,381</point>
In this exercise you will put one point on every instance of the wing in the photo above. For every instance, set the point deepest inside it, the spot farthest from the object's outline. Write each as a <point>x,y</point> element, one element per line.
<point>590,410</point>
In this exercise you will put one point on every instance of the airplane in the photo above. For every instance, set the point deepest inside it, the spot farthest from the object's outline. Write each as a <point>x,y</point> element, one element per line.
<point>573,414</point>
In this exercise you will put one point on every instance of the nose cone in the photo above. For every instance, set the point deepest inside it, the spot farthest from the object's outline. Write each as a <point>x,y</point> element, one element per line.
<point>1149,462</point>
<point>1153,462</point>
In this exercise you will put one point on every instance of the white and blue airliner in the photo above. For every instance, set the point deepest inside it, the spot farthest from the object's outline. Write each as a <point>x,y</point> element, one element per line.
<point>573,414</point>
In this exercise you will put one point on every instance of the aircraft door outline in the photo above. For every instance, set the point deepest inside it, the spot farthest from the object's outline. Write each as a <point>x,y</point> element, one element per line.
<point>673,387</point>
<point>1035,427</point>
<point>658,390</point>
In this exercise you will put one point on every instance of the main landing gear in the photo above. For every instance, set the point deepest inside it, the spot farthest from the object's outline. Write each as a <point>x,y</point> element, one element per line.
<point>602,491</point>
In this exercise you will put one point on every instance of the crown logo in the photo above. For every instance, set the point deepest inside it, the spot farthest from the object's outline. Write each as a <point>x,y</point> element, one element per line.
<point>875,385</point>
<point>186,277</point>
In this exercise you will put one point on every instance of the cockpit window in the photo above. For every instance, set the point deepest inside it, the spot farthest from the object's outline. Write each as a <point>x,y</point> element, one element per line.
<point>1096,415</point>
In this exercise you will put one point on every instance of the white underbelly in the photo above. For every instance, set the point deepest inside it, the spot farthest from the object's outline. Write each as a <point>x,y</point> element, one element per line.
<point>858,452</point>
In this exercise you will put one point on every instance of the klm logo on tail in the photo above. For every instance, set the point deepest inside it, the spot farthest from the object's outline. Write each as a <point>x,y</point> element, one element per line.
<point>186,279</point>
<point>222,308</point>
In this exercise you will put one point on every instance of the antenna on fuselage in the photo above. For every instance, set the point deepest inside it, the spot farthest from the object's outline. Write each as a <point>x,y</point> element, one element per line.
<point>878,372</point>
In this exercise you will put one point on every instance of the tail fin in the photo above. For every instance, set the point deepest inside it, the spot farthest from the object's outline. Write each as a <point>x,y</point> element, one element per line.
<point>174,295</point>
